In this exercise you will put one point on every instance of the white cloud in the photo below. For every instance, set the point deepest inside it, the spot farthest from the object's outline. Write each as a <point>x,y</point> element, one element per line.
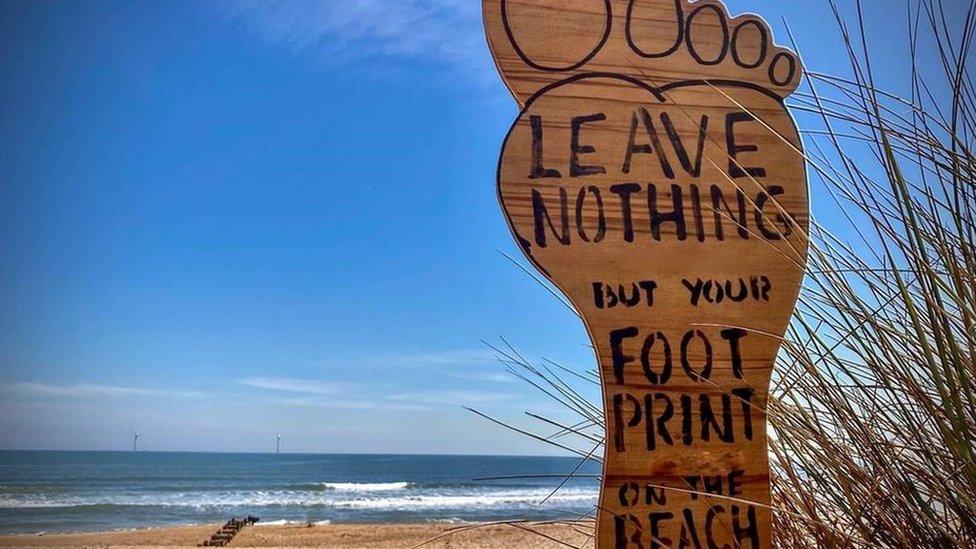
<point>453,398</point>
<point>488,378</point>
<point>348,396</point>
<point>290,385</point>
<point>411,359</point>
<point>349,405</point>
<point>86,390</point>
<point>345,31</point>
<point>442,358</point>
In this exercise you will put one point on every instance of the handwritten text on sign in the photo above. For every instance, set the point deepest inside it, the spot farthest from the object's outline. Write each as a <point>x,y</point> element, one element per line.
<point>655,176</point>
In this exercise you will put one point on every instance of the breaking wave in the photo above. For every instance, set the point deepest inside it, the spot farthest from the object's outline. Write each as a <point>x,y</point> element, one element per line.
<point>339,497</point>
<point>365,487</point>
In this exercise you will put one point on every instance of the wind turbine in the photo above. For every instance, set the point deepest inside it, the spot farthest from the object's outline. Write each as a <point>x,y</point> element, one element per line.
<point>135,441</point>
<point>278,444</point>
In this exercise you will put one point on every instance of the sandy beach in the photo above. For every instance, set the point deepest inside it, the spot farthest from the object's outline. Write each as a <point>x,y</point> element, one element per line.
<point>366,536</point>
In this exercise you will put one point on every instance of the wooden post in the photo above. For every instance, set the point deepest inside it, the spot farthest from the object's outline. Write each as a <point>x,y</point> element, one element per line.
<point>656,177</point>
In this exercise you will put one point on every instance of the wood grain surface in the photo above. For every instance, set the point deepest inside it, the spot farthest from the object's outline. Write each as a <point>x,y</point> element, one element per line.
<point>656,178</point>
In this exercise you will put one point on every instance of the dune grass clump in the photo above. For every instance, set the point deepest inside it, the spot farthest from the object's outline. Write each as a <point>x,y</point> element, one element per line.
<point>874,412</point>
<point>873,406</point>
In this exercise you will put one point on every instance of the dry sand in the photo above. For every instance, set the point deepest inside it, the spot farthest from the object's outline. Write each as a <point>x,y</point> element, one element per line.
<point>366,536</point>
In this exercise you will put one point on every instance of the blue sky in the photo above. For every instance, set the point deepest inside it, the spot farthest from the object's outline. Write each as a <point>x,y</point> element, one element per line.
<point>224,220</point>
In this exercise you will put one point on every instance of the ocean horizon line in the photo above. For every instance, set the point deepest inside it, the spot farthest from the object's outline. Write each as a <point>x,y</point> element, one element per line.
<point>272,452</point>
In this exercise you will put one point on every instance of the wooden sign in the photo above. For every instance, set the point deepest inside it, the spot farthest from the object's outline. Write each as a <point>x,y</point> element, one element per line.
<point>656,177</point>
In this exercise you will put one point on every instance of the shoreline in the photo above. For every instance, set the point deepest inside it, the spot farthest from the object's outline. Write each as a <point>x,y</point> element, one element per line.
<point>348,536</point>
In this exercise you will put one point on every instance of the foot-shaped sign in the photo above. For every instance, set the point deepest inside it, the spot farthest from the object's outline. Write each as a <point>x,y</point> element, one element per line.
<point>656,177</point>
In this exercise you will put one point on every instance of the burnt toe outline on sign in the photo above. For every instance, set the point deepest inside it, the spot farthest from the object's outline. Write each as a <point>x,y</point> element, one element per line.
<point>731,36</point>
<point>608,26</point>
<point>777,65</point>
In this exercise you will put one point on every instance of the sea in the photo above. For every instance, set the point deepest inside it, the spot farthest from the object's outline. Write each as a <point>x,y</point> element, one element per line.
<point>95,491</point>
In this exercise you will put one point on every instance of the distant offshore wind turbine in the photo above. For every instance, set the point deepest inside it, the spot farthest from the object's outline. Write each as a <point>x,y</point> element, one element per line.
<point>135,441</point>
<point>278,444</point>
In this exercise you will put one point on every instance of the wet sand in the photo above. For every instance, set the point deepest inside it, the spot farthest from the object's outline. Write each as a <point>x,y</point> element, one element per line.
<point>344,536</point>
